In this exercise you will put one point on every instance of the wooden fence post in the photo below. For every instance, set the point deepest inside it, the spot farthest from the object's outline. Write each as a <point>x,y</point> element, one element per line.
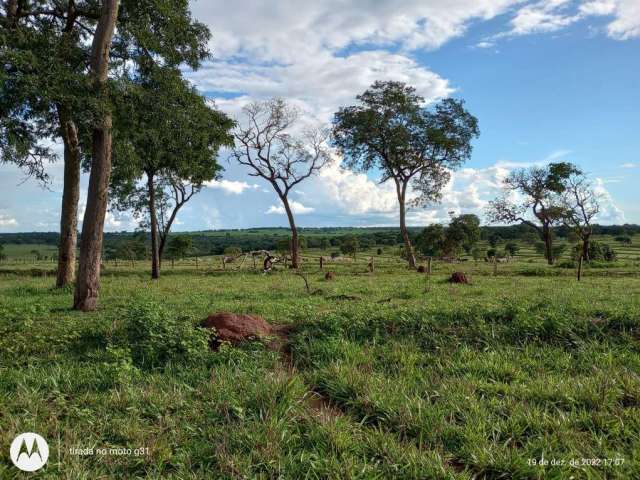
<point>428,265</point>
<point>495,266</point>
<point>196,262</point>
<point>321,262</point>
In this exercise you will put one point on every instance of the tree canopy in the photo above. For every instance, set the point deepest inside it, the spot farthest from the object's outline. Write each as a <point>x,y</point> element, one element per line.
<point>392,130</point>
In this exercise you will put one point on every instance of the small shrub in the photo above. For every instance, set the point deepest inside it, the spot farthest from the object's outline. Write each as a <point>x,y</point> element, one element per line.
<point>155,337</point>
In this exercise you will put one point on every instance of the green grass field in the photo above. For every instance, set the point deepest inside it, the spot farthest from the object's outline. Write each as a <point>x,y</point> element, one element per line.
<point>389,374</point>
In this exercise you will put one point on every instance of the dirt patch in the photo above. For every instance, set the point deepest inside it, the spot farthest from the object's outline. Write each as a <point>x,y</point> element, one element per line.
<point>422,269</point>
<point>329,276</point>
<point>235,329</point>
<point>458,277</point>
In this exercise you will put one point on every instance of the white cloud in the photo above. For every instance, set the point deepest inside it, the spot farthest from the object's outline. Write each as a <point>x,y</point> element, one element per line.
<point>287,31</point>
<point>544,16</point>
<point>609,211</point>
<point>7,221</point>
<point>626,16</point>
<point>553,15</point>
<point>296,207</point>
<point>630,165</point>
<point>230,186</point>
<point>319,84</point>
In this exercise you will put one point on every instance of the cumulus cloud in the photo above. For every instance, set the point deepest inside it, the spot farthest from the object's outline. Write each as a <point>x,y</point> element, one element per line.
<point>544,16</point>
<point>7,221</point>
<point>318,84</point>
<point>609,211</point>
<point>229,186</point>
<point>553,15</point>
<point>296,207</point>
<point>286,31</point>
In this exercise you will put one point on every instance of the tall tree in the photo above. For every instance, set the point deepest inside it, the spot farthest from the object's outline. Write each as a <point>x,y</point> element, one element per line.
<point>533,197</point>
<point>44,93</point>
<point>88,283</point>
<point>265,143</point>
<point>55,56</point>
<point>581,204</point>
<point>392,130</point>
<point>167,141</point>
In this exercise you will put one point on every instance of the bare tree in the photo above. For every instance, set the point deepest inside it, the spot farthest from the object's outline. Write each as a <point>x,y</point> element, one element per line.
<point>581,204</point>
<point>539,191</point>
<point>265,144</point>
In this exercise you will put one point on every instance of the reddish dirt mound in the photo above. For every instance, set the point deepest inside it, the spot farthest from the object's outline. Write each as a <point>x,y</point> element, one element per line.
<point>458,277</point>
<point>422,269</point>
<point>329,276</point>
<point>234,328</point>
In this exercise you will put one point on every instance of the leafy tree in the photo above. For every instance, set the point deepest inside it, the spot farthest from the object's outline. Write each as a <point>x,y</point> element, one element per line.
<point>477,253</point>
<point>463,232</point>
<point>624,239</point>
<point>512,248</point>
<point>581,204</point>
<point>325,244</point>
<point>3,256</point>
<point>431,241</point>
<point>391,130</point>
<point>494,239</point>
<point>167,140</point>
<point>133,249</point>
<point>350,245</point>
<point>47,94</point>
<point>179,246</point>
<point>539,190</point>
<point>265,144</point>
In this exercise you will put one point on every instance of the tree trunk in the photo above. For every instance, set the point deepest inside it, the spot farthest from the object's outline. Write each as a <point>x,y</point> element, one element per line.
<point>294,233</point>
<point>88,283</point>
<point>70,198</point>
<point>402,190</point>
<point>155,263</point>
<point>164,236</point>
<point>585,247</point>
<point>548,243</point>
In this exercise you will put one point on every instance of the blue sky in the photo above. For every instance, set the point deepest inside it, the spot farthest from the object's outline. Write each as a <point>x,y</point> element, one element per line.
<point>548,80</point>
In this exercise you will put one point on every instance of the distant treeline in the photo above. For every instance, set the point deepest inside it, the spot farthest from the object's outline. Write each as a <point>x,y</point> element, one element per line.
<point>214,242</point>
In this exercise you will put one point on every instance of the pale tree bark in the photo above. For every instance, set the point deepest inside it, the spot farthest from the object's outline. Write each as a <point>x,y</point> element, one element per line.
<point>88,283</point>
<point>70,198</point>
<point>401,190</point>
<point>295,258</point>
<point>155,257</point>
